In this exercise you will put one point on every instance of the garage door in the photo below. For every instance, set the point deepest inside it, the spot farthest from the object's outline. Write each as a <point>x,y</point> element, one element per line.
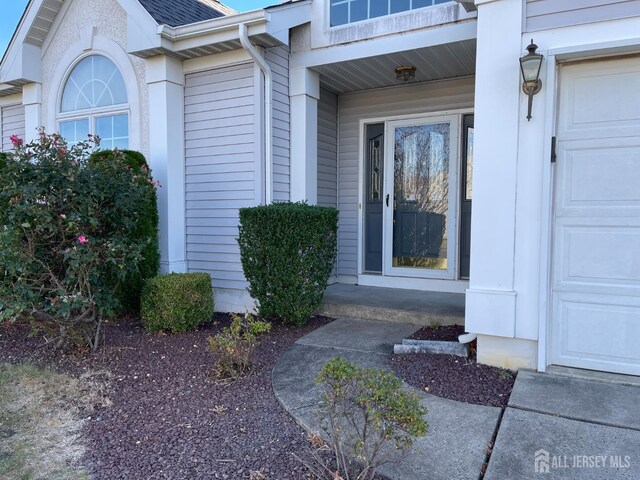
<point>596,247</point>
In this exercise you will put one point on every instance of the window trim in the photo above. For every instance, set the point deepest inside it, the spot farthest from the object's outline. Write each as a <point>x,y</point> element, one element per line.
<point>91,116</point>
<point>107,48</point>
<point>389,16</point>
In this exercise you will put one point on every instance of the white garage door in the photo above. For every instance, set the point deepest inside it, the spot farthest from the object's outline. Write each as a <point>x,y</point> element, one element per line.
<point>596,260</point>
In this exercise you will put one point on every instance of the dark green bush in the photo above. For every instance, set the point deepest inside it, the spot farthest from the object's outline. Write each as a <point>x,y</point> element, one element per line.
<point>176,302</point>
<point>287,252</point>
<point>130,290</point>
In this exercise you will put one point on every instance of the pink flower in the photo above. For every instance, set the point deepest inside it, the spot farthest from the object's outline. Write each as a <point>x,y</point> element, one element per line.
<point>82,240</point>
<point>63,216</point>
<point>16,141</point>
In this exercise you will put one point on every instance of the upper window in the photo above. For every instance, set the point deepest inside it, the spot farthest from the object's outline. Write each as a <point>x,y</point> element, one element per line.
<point>94,101</point>
<point>350,11</point>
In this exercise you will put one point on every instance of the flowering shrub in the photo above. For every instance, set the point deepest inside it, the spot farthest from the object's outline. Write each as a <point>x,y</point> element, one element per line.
<point>66,240</point>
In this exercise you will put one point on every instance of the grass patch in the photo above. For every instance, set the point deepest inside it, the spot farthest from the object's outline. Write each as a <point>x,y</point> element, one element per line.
<point>41,420</point>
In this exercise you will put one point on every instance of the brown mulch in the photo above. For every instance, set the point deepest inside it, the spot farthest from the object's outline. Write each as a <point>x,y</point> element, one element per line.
<point>453,377</point>
<point>170,419</point>
<point>447,333</point>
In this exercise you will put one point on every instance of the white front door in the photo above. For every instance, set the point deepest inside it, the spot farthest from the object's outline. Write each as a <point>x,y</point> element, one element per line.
<point>595,320</point>
<point>420,201</point>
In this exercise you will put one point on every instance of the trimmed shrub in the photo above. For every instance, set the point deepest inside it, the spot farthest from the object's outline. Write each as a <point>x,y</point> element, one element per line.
<point>287,252</point>
<point>176,302</point>
<point>367,417</point>
<point>130,290</point>
<point>66,242</point>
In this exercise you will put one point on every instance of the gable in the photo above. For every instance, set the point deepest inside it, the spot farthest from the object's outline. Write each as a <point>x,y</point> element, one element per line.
<point>39,18</point>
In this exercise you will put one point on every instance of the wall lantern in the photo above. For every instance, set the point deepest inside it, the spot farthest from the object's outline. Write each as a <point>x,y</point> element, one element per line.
<point>405,73</point>
<point>530,65</point>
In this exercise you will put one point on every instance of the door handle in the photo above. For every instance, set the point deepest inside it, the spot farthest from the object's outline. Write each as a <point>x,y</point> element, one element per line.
<point>387,199</point>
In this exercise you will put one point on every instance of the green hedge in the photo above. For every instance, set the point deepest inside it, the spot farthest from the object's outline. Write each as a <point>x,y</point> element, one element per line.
<point>147,227</point>
<point>287,252</point>
<point>177,302</point>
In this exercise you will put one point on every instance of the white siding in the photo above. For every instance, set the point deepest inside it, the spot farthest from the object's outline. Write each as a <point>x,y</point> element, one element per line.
<point>278,60</point>
<point>406,100</point>
<point>545,14</point>
<point>220,168</point>
<point>328,149</point>
<point>12,124</point>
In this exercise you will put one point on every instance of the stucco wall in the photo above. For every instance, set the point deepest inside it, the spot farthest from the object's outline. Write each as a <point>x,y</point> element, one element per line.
<point>108,20</point>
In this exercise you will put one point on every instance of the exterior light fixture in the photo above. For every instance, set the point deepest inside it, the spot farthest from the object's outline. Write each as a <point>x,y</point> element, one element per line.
<point>405,73</point>
<point>530,65</point>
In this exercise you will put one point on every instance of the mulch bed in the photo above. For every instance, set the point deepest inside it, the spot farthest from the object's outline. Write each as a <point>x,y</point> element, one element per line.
<point>447,333</point>
<point>453,377</point>
<point>170,419</point>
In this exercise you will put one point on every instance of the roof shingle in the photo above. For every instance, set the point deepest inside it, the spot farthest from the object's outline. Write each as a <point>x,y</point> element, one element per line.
<point>176,13</point>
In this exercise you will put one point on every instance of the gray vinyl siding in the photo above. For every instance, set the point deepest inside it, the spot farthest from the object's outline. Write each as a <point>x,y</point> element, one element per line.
<point>12,124</point>
<point>220,168</point>
<point>374,104</point>
<point>546,14</point>
<point>278,60</point>
<point>328,149</point>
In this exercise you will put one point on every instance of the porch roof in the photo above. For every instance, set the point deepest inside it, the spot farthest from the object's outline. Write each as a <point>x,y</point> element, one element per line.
<point>436,62</point>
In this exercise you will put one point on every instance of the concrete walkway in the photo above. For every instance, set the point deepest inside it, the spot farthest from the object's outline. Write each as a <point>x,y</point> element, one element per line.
<point>575,428</point>
<point>459,433</point>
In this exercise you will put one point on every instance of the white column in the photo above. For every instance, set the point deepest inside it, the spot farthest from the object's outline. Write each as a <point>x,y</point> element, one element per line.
<point>305,92</point>
<point>491,298</point>
<point>165,78</point>
<point>32,101</point>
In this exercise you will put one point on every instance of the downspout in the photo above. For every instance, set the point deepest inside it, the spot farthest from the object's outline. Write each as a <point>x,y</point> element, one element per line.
<point>268,109</point>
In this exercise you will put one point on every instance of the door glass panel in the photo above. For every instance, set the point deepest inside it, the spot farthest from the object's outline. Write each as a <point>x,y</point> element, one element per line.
<point>374,165</point>
<point>468,190</point>
<point>467,194</point>
<point>421,196</point>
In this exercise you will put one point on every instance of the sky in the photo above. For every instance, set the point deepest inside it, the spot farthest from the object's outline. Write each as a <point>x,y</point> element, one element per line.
<point>12,11</point>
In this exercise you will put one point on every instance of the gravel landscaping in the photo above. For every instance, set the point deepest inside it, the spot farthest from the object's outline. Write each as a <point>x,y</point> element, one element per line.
<point>169,418</point>
<point>453,377</point>
<point>448,333</point>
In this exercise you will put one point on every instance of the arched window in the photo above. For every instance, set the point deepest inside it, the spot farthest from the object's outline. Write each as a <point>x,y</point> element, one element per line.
<point>94,100</point>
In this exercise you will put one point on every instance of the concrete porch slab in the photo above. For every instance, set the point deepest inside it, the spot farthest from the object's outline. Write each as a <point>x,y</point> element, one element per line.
<point>393,305</point>
<point>587,400</point>
<point>523,434</point>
